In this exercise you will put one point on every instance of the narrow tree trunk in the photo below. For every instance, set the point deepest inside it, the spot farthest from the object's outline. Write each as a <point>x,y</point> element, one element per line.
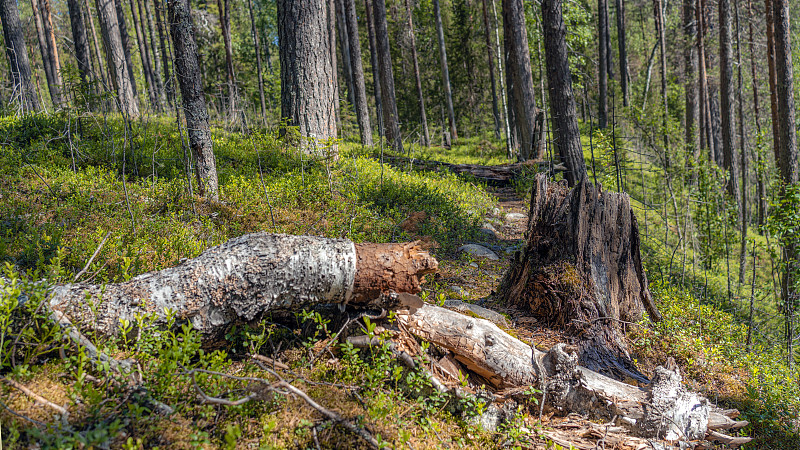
<point>500,79</point>
<point>562,100</point>
<point>144,12</point>
<point>225,25</point>
<point>144,53</point>
<point>126,44</point>
<point>83,55</point>
<point>169,85</point>
<point>624,75</point>
<point>102,69</point>
<point>373,57</point>
<point>773,80</point>
<point>115,56</point>
<point>359,89</point>
<point>448,93</point>
<point>44,49</point>
<point>690,81</point>
<point>307,93</point>
<point>727,102</point>
<point>388,103</point>
<point>490,50</point>
<point>423,117</point>
<point>344,45</point>
<point>52,46</point>
<point>521,94</point>
<point>705,102</point>
<point>743,152</point>
<point>257,46</point>
<point>17,53</point>
<point>602,62</point>
<point>760,172</point>
<point>187,71</point>
<point>330,22</point>
<point>660,29</point>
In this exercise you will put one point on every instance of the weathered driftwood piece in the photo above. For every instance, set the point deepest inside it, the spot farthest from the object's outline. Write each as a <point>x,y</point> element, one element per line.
<point>497,175</point>
<point>663,410</point>
<point>581,271</point>
<point>246,277</point>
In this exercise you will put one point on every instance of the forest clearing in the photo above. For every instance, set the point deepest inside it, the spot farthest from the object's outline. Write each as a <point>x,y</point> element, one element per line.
<point>398,224</point>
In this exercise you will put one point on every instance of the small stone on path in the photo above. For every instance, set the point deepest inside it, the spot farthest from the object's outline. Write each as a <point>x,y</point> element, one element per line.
<point>479,251</point>
<point>459,291</point>
<point>516,216</point>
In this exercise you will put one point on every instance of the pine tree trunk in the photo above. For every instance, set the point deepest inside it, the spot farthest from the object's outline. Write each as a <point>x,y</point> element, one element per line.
<point>490,50</point>
<point>760,172</point>
<point>727,102</point>
<point>187,71</point>
<point>705,103</point>
<point>743,163</point>
<point>115,58</point>
<point>585,275</point>
<point>102,69</point>
<point>562,100</point>
<point>52,46</point>
<point>330,21</point>
<point>661,30</point>
<point>690,81</point>
<point>17,53</point>
<point>44,49</point>
<point>388,103</point>
<point>426,136</point>
<point>344,46</point>
<point>501,80</point>
<point>359,89</point>
<point>126,44</point>
<point>307,92</point>
<point>225,25</point>
<point>257,46</point>
<point>83,55</point>
<point>624,75</point>
<point>602,61</point>
<point>521,95</point>
<point>373,57</point>
<point>448,92</point>
<point>773,80</point>
<point>144,53</point>
<point>144,11</point>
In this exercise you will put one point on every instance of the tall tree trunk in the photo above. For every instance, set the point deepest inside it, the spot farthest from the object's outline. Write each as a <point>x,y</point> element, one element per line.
<point>257,46</point>
<point>727,102</point>
<point>773,80</point>
<point>187,71</point>
<point>705,102</point>
<point>126,44</point>
<point>359,89</point>
<point>101,69</point>
<point>743,163</point>
<point>562,100</point>
<point>330,22</point>
<point>169,86</point>
<point>144,12</point>
<point>44,49</point>
<point>624,75</point>
<point>17,53</point>
<point>448,93</point>
<point>144,53</point>
<point>388,103</point>
<point>690,80</point>
<point>423,117</point>
<point>373,57</point>
<point>307,94</point>
<point>660,29</point>
<point>500,79</point>
<point>115,58</point>
<point>225,25</point>
<point>52,45</point>
<point>602,62</point>
<point>521,94</point>
<point>760,172</point>
<point>83,55</point>
<point>344,45</point>
<point>490,50</point>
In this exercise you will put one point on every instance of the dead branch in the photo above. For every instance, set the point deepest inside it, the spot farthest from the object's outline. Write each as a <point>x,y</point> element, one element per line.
<point>38,398</point>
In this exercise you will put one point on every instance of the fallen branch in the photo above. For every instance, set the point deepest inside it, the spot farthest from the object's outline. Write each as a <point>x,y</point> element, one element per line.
<point>38,398</point>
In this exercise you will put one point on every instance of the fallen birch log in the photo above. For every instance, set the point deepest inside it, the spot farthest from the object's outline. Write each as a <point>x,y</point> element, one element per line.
<point>246,277</point>
<point>497,175</point>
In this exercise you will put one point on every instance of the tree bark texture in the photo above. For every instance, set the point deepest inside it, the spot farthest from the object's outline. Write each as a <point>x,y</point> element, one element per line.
<point>115,57</point>
<point>257,46</point>
<point>788,162</point>
<point>144,53</point>
<point>624,75</point>
<point>344,46</point>
<point>83,54</point>
<point>52,49</point>
<point>490,50</point>
<point>126,44</point>
<point>705,101</point>
<point>246,277</point>
<point>187,71</point>
<point>169,85</point>
<point>448,91</point>
<point>307,93</point>
<point>727,101</point>
<point>391,124</point>
<point>359,88</point>
<point>44,50</point>
<point>225,25</point>
<point>100,67</point>
<point>760,172</point>
<point>584,275</point>
<point>562,100</point>
<point>17,53</point>
<point>331,23</point>
<point>690,79</point>
<point>145,13</point>
<point>426,136</point>
<point>773,80</point>
<point>521,94</point>
<point>602,61</point>
<point>373,57</point>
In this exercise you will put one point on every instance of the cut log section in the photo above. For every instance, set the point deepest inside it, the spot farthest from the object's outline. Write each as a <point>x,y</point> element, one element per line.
<point>497,175</point>
<point>246,277</point>
<point>581,271</point>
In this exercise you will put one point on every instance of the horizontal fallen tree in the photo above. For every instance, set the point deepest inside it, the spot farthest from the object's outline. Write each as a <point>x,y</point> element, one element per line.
<point>259,273</point>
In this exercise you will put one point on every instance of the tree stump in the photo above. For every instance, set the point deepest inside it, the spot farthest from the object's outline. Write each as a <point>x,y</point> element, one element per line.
<point>581,271</point>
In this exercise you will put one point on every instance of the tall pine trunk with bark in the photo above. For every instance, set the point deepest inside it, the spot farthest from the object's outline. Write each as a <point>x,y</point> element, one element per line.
<point>307,93</point>
<point>17,53</point>
<point>622,42</point>
<point>83,54</point>
<point>448,92</point>
<point>727,102</point>
<point>602,62</point>
<point>562,100</point>
<point>690,80</point>
<point>187,71</point>
<point>490,50</point>
<point>426,136</point>
<point>126,44</point>
<point>356,65</point>
<point>373,58</point>
<point>144,53</point>
<point>257,47</point>
<point>115,58</point>
<point>391,124</point>
<point>53,86</point>
<point>225,26</point>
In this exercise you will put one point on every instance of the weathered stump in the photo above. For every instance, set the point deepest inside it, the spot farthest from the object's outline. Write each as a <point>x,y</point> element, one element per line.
<point>581,271</point>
